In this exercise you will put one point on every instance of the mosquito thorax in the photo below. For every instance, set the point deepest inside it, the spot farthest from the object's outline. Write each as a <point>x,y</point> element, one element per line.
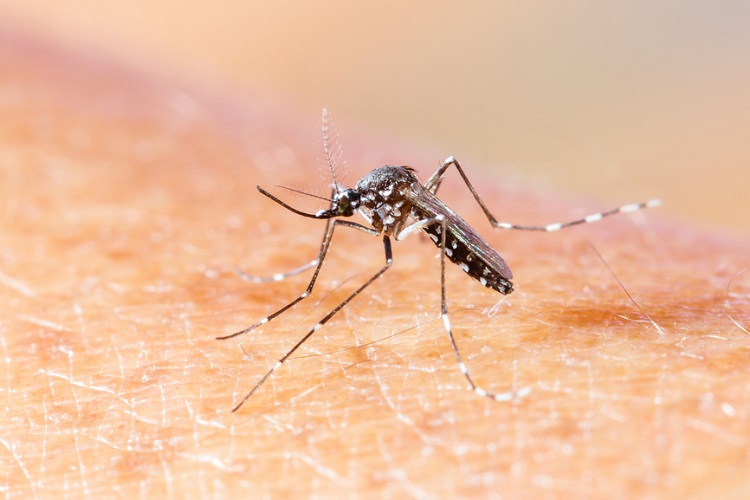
<point>385,197</point>
<point>386,182</point>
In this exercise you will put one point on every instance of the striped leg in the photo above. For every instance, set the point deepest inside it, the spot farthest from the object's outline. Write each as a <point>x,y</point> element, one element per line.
<point>433,183</point>
<point>282,276</point>
<point>319,325</point>
<point>276,277</point>
<point>326,243</point>
<point>444,315</point>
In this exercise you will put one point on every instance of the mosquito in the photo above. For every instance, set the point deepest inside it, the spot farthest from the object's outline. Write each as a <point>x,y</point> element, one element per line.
<point>395,205</point>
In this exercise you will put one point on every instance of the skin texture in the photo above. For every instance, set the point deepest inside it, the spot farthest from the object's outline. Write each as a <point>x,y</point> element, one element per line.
<point>127,202</point>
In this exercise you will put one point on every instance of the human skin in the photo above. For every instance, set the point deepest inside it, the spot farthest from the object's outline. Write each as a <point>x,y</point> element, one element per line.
<point>128,201</point>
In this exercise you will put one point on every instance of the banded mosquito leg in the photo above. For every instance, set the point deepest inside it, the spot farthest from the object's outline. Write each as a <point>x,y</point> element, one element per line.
<point>275,277</point>
<point>319,324</point>
<point>324,246</point>
<point>433,183</point>
<point>444,315</point>
<point>282,276</point>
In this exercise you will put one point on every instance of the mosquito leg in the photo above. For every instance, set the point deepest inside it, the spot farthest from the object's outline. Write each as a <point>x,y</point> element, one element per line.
<point>275,277</point>
<point>444,315</point>
<point>632,207</point>
<point>433,183</point>
<point>282,276</point>
<point>319,325</point>
<point>324,246</point>
<point>417,226</point>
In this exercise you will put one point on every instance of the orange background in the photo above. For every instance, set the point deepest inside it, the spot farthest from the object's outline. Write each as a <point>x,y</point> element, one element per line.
<point>619,100</point>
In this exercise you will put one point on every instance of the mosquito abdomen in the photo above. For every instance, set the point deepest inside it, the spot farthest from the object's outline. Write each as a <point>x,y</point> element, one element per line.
<point>470,262</point>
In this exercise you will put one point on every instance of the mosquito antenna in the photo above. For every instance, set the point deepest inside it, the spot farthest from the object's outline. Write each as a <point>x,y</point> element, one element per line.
<point>331,148</point>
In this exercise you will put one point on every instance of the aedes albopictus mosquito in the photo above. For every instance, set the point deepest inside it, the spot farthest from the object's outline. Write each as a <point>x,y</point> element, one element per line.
<point>395,204</point>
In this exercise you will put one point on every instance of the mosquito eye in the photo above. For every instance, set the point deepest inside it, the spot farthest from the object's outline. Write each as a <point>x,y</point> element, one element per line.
<point>348,203</point>
<point>343,205</point>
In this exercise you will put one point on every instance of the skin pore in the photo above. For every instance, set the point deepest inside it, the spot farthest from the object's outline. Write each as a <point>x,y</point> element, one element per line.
<point>128,202</point>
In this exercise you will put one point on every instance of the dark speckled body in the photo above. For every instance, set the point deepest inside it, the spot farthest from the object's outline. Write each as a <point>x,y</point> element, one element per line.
<point>392,197</point>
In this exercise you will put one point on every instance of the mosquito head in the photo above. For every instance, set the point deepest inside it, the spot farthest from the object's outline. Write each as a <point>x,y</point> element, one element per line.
<point>346,202</point>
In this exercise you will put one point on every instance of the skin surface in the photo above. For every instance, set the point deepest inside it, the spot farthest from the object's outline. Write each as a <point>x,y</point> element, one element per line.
<point>127,202</point>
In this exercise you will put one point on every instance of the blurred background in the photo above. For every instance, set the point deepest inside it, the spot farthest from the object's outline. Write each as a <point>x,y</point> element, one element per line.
<point>621,100</point>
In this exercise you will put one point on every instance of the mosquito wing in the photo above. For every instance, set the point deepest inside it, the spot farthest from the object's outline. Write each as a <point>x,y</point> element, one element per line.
<point>463,245</point>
